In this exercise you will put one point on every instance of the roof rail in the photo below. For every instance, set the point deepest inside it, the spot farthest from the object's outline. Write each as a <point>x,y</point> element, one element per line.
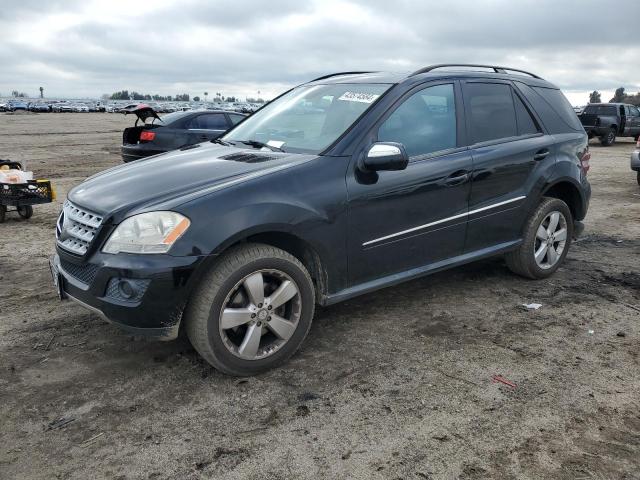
<point>495,68</point>
<point>335,75</point>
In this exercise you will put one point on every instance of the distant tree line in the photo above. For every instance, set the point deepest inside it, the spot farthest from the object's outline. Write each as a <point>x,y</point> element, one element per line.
<point>618,97</point>
<point>126,95</point>
<point>133,95</point>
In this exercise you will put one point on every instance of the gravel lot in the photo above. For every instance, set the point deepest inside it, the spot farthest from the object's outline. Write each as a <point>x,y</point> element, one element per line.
<point>393,385</point>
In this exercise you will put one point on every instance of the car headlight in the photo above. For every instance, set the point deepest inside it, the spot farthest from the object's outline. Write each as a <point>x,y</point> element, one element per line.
<point>152,232</point>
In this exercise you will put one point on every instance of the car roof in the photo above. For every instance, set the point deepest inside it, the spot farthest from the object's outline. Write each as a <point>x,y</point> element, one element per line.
<point>613,104</point>
<point>435,72</point>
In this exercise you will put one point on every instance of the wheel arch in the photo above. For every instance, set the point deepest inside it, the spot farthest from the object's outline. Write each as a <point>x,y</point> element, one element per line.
<point>280,237</point>
<point>567,191</point>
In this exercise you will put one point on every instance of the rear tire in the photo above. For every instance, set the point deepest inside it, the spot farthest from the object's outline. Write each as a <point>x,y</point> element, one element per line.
<point>532,259</point>
<point>230,290</point>
<point>638,177</point>
<point>25,211</point>
<point>609,138</point>
<point>3,213</point>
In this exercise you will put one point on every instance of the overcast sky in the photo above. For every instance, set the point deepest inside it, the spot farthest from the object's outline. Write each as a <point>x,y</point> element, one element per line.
<point>87,48</point>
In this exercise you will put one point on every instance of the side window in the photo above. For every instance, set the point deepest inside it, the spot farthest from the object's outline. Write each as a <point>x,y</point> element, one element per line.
<point>491,112</point>
<point>235,118</point>
<point>214,121</point>
<point>634,111</point>
<point>424,123</point>
<point>526,123</point>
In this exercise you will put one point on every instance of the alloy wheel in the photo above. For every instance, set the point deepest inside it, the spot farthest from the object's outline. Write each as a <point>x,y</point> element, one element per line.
<point>260,314</point>
<point>551,240</point>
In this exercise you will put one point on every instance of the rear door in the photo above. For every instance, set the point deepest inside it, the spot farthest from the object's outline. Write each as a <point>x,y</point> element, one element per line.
<point>206,126</point>
<point>508,145</point>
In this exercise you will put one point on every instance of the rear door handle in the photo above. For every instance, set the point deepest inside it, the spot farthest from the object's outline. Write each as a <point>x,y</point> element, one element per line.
<point>541,154</point>
<point>456,178</point>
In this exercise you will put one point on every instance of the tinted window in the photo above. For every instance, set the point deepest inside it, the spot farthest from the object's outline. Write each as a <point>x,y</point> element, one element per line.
<point>600,110</point>
<point>526,123</point>
<point>173,118</point>
<point>424,123</point>
<point>561,106</point>
<point>213,121</point>
<point>491,112</point>
<point>235,118</point>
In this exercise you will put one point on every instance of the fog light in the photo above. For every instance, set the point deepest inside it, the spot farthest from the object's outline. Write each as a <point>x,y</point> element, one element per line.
<point>127,290</point>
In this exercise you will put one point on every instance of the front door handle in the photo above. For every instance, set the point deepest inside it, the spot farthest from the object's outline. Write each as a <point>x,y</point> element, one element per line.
<point>541,154</point>
<point>457,178</point>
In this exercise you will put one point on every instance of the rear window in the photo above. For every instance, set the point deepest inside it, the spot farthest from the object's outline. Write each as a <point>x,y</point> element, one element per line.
<point>561,106</point>
<point>235,118</point>
<point>173,117</point>
<point>600,109</point>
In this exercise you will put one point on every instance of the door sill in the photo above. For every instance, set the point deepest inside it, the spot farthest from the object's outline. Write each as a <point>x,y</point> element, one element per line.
<point>428,269</point>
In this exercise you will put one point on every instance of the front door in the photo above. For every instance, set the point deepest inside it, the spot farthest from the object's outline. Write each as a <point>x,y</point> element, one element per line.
<point>401,220</point>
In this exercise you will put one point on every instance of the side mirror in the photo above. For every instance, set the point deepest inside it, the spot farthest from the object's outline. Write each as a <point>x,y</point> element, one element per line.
<point>385,156</point>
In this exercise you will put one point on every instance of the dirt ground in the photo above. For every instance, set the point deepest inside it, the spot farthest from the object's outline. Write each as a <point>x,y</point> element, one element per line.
<point>393,385</point>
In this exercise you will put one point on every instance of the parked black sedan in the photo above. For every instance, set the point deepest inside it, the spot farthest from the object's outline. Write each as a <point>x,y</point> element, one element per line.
<point>152,134</point>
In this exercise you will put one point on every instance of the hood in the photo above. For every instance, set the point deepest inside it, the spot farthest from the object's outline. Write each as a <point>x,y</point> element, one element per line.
<point>142,111</point>
<point>175,177</point>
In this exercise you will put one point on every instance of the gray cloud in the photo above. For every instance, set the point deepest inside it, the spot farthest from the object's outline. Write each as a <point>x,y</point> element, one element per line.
<point>239,46</point>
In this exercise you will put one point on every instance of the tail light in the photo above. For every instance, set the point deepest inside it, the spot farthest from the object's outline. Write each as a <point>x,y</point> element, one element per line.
<point>638,143</point>
<point>147,136</point>
<point>584,161</point>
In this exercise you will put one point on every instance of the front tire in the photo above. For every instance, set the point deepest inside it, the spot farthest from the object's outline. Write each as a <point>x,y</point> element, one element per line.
<point>252,310</point>
<point>546,241</point>
<point>638,177</point>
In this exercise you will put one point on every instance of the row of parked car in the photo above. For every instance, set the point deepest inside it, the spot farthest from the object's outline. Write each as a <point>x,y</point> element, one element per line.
<point>65,106</point>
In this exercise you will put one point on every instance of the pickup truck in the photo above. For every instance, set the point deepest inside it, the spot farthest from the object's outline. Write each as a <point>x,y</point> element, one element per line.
<point>611,120</point>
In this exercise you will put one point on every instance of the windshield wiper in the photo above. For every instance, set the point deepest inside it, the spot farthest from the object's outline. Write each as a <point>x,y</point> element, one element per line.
<point>221,142</point>
<point>259,144</point>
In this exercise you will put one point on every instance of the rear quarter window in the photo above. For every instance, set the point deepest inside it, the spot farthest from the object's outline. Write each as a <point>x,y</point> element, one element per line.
<point>553,114</point>
<point>560,104</point>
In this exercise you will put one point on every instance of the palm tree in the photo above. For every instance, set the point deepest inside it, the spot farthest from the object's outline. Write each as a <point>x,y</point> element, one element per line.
<point>41,92</point>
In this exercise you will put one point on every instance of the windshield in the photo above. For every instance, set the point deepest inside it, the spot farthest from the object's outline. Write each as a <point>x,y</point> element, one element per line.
<point>309,118</point>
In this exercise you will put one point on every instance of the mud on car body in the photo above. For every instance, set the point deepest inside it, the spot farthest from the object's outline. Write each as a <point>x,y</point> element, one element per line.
<point>339,187</point>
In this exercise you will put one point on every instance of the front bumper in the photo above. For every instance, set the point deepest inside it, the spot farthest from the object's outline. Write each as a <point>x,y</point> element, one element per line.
<point>142,294</point>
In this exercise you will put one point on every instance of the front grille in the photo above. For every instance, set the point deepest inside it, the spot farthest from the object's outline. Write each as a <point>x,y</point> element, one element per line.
<point>76,228</point>
<point>85,273</point>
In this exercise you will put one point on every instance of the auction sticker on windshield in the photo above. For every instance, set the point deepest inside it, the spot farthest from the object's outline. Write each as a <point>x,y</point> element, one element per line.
<point>358,97</point>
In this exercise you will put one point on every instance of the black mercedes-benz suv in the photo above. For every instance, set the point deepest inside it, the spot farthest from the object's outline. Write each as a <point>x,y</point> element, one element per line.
<point>349,183</point>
